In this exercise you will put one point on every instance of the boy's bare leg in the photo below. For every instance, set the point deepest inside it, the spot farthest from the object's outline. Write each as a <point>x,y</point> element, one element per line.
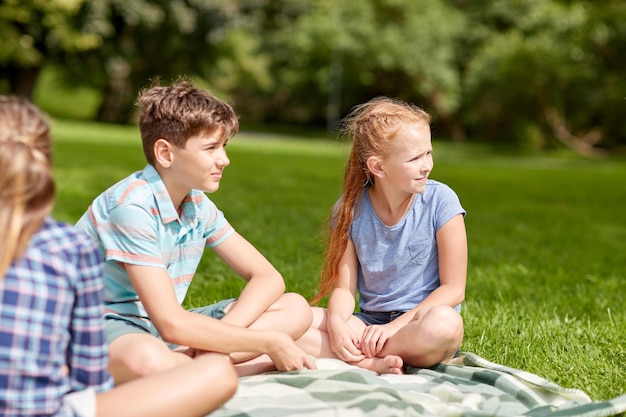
<point>291,315</point>
<point>255,366</point>
<point>136,355</point>
<point>192,389</point>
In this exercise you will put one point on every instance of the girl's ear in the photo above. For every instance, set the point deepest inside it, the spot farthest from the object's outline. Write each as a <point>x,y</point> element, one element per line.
<point>163,153</point>
<point>375,166</point>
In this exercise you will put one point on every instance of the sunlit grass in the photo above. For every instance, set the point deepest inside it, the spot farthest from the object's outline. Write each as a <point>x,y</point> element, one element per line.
<point>546,238</point>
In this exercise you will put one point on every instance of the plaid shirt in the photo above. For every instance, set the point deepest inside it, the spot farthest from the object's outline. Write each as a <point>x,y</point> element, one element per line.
<point>51,328</point>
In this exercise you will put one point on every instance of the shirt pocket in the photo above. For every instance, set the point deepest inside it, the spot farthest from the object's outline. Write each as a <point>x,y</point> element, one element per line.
<point>420,251</point>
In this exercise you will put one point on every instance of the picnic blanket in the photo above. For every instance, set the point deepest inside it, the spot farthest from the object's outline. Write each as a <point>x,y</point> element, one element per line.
<point>470,386</point>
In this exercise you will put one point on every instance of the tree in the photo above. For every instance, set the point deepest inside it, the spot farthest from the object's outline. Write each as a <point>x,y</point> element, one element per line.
<point>147,39</point>
<point>363,48</point>
<point>604,37</point>
<point>537,77</point>
<point>533,72</point>
<point>30,32</point>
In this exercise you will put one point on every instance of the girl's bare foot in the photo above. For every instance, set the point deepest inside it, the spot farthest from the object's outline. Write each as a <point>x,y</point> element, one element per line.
<point>390,364</point>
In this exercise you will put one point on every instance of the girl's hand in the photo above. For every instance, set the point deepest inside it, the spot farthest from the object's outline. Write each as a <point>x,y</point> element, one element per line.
<point>344,342</point>
<point>374,339</point>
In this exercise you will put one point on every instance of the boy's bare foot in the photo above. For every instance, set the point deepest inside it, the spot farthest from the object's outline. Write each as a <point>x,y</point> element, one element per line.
<point>390,364</point>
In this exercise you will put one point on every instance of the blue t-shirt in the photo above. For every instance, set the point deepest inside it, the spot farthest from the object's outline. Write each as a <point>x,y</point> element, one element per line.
<point>399,264</point>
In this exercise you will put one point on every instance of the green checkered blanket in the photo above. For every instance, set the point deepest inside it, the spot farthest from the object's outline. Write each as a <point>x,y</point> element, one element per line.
<point>468,387</point>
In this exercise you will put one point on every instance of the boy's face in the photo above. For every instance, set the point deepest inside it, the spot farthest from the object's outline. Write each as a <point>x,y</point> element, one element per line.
<point>200,164</point>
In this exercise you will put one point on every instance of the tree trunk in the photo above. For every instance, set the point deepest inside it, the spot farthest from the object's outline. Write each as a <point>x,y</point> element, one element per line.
<point>115,106</point>
<point>117,98</point>
<point>22,81</point>
<point>583,145</point>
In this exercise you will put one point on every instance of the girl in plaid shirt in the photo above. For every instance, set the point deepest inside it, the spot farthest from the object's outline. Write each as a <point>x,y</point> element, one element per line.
<point>53,355</point>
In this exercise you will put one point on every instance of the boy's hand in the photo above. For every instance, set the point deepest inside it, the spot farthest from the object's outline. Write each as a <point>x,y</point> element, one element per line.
<point>287,356</point>
<point>344,342</point>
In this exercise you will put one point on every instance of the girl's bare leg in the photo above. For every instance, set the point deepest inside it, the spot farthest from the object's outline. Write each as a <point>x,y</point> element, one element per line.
<point>193,389</point>
<point>317,343</point>
<point>432,337</point>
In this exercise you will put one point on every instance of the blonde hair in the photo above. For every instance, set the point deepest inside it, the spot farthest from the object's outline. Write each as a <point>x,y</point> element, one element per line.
<point>26,184</point>
<point>372,127</point>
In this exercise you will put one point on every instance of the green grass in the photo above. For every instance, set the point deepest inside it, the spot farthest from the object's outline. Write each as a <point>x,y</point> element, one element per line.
<point>546,236</point>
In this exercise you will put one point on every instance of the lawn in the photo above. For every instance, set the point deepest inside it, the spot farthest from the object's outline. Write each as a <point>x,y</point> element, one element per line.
<point>546,235</point>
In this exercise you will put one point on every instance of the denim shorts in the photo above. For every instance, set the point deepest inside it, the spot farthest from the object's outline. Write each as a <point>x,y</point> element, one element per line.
<point>116,326</point>
<point>378,317</point>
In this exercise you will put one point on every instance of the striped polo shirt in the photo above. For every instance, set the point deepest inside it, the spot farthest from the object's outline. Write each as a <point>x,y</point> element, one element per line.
<point>135,222</point>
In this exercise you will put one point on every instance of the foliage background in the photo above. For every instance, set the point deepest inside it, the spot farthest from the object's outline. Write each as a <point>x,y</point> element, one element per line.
<point>536,74</point>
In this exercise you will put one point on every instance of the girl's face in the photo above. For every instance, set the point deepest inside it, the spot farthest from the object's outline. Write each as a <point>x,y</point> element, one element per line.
<point>410,161</point>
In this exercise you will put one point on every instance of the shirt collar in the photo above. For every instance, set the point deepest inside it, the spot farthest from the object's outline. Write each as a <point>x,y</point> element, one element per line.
<point>162,198</point>
<point>163,201</point>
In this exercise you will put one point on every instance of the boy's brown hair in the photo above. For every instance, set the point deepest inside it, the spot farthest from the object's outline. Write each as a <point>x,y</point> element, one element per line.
<point>181,111</point>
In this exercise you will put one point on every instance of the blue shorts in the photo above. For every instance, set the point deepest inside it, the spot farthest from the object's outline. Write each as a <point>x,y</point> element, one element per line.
<point>116,326</point>
<point>378,317</point>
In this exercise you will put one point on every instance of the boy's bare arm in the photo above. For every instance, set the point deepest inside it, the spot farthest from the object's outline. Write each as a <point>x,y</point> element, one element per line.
<point>265,284</point>
<point>185,328</point>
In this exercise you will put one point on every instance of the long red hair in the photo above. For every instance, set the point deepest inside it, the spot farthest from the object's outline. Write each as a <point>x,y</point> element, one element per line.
<point>371,127</point>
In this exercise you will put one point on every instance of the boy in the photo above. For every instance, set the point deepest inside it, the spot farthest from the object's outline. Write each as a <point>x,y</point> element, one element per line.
<point>153,227</point>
